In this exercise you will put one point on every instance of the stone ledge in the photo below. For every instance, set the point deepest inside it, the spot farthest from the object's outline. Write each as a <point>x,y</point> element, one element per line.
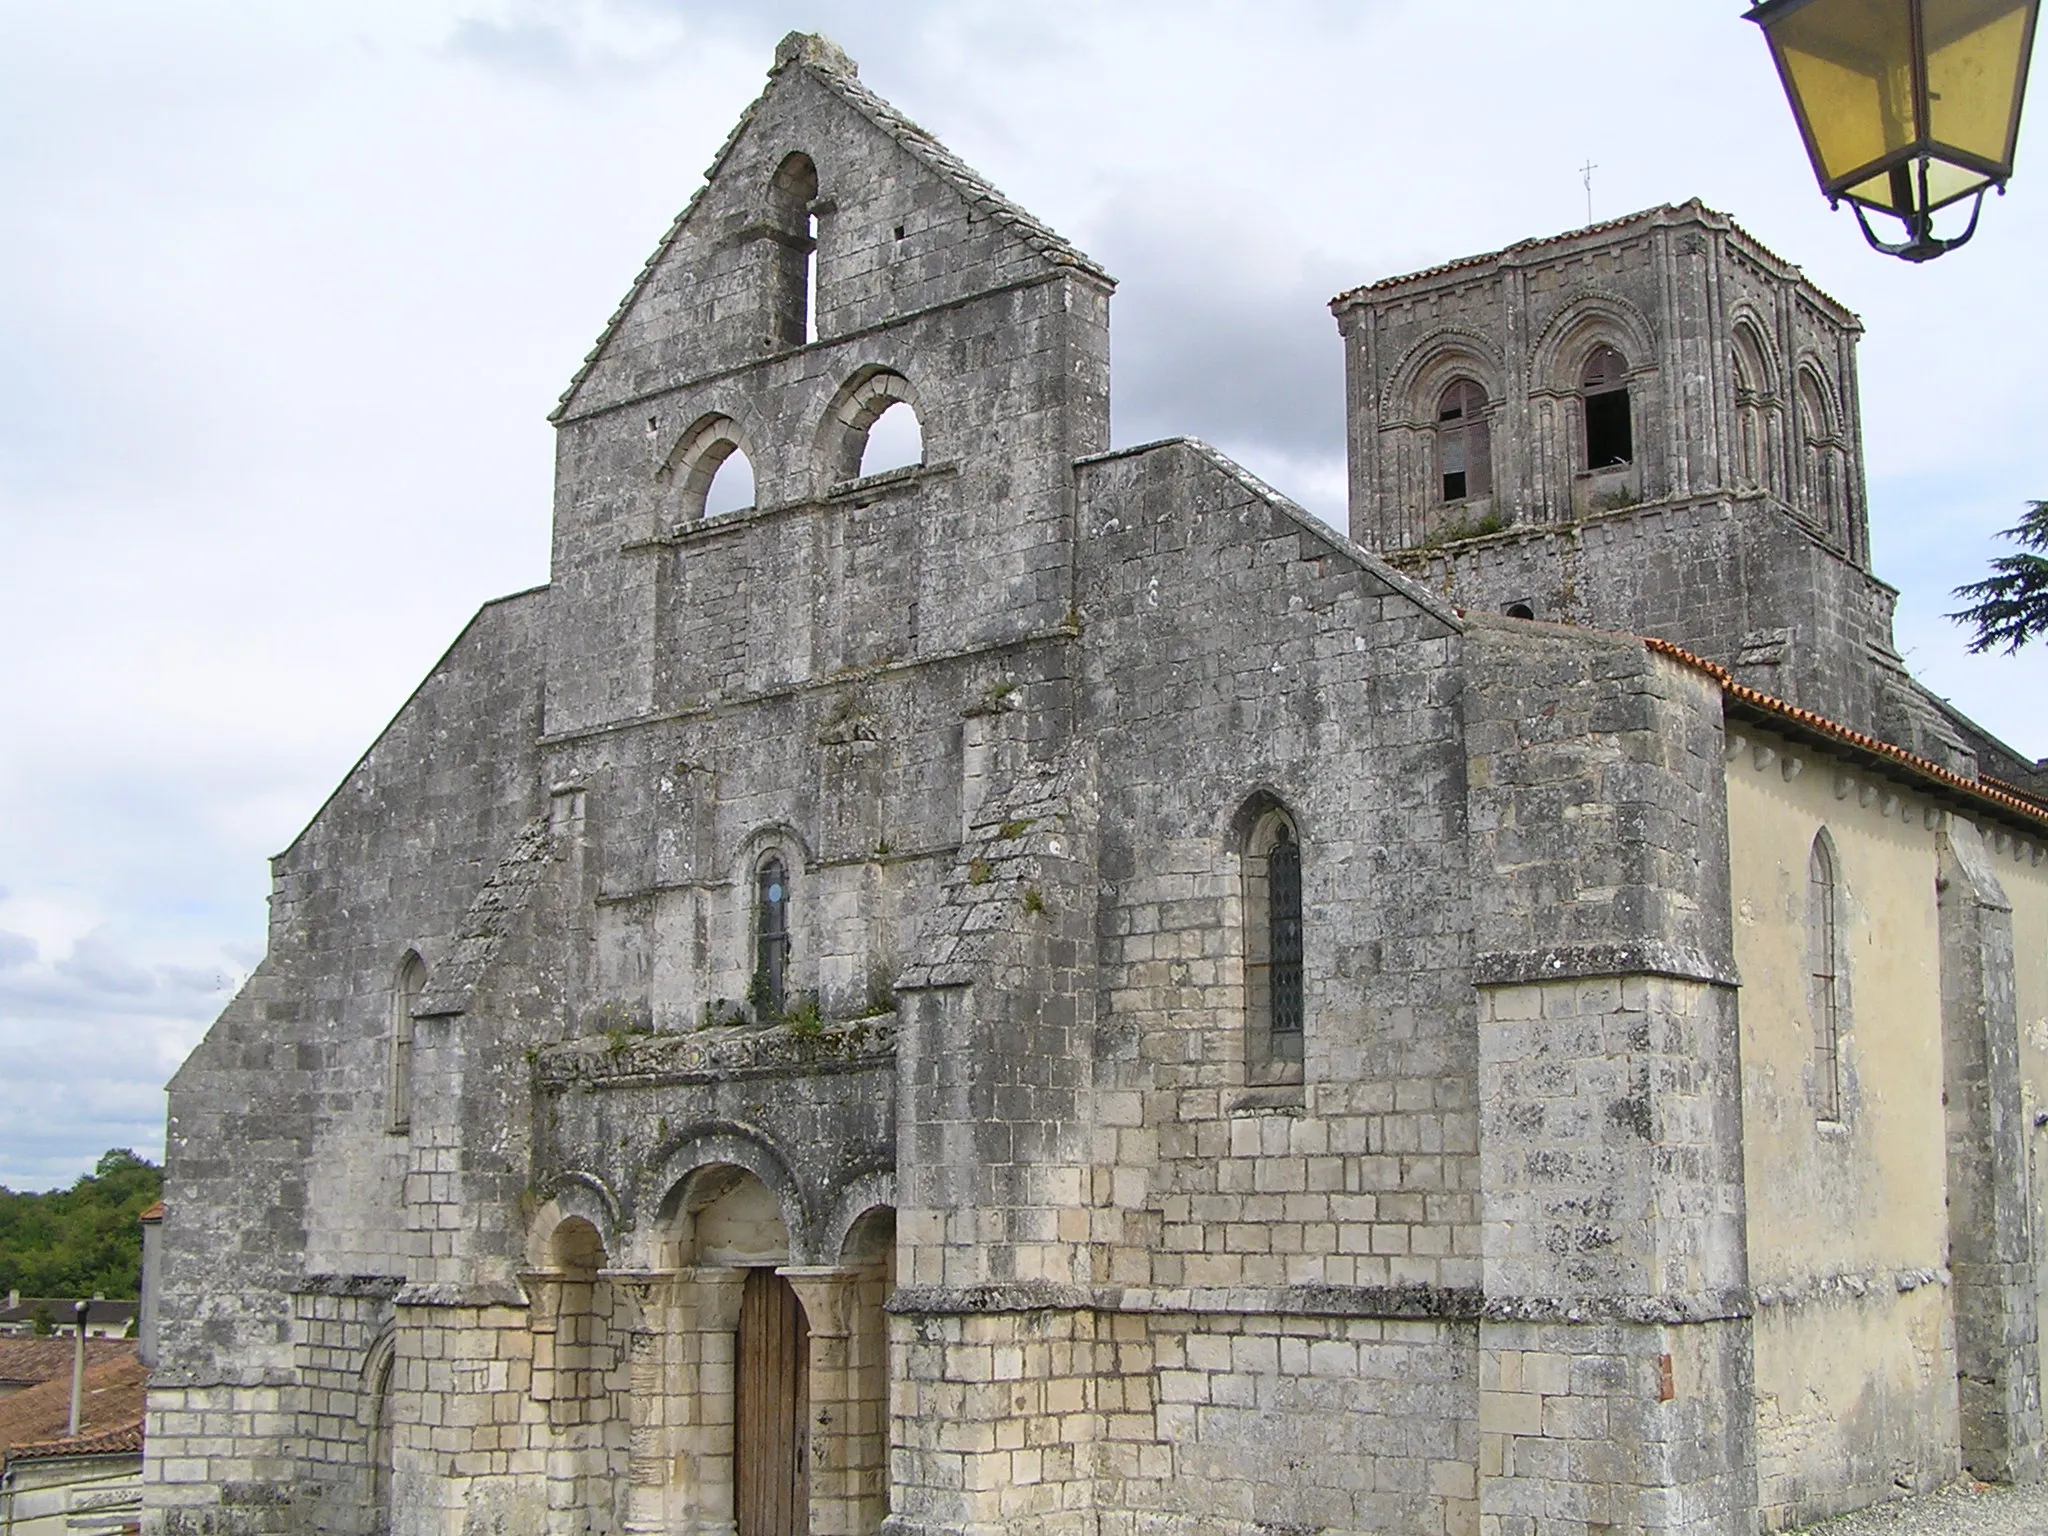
<point>1580,962</point>
<point>1416,1303</point>
<point>667,1060</point>
<point>378,1286</point>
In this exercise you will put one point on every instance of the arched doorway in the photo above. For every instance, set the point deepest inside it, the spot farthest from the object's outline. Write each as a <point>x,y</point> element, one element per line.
<point>771,1475</point>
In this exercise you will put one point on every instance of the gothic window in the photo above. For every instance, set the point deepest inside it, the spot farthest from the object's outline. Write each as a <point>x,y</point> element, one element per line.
<point>410,982</point>
<point>770,989</point>
<point>1273,936</point>
<point>1824,981</point>
<point>793,245</point>
<point>1610,433</point>
<point>1464,452</point>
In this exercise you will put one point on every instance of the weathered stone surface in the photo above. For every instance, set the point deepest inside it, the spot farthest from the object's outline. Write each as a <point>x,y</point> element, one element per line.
<point>794,1009</point>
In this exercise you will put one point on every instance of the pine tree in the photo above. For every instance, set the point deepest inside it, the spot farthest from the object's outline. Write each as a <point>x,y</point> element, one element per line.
<point>2010,607</point>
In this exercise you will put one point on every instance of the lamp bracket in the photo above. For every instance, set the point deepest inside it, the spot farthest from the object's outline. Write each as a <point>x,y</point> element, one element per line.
<point>1924,244</point>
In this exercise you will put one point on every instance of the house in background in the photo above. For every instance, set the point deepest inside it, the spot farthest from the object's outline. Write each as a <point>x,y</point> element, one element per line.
<point>104,1319</point>
<point>51,1482</point>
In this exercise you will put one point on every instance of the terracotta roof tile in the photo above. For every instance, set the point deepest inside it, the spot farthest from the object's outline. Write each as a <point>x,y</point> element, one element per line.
<point>1988,790</point>
<point>114,1391</point>
<point>25,1362</point>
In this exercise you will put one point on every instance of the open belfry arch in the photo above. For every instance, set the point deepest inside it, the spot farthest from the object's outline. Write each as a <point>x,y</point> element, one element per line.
<point>1021,987</point>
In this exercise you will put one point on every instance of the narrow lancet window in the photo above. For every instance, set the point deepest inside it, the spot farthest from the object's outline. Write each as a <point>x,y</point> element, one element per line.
<point>1610,431</point>
<point>405,997</point>
<point>1283,871</point>
<point>1275,1015</point>
<point>1464,449</point>
<point>770,990</point>
<point>1824,977</point>
<point>792,241</point>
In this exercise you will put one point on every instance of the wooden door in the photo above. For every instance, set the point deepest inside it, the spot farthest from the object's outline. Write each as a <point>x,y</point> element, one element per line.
<point>771,1494</point>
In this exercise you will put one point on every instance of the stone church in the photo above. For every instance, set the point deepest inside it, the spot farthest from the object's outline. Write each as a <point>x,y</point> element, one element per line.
<point>1042,989</point>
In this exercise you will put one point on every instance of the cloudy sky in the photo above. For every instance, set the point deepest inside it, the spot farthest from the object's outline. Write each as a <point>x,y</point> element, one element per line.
<point>286,292</point>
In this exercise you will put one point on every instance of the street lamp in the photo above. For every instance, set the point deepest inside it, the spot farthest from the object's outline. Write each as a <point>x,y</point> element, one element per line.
<point>1907,106</point>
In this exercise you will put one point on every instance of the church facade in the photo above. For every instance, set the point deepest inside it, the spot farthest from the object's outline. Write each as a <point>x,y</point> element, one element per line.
<point>1044,989</point>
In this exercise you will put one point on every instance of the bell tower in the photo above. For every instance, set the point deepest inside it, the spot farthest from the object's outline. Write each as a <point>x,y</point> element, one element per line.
<point>1649,425</point>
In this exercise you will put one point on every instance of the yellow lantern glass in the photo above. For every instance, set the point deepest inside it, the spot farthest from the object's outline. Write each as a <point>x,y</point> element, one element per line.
<point>1906,105</point>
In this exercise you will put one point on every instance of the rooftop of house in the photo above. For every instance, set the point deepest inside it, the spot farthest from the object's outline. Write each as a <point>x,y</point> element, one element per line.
<point>29,1362</point>
<point>33,1421</point>
<point>19,1313</point>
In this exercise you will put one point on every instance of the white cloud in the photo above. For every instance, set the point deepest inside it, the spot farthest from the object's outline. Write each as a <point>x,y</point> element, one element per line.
<point>288,290</point>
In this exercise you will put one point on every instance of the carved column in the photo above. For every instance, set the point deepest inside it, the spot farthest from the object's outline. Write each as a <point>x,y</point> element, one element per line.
<point>845,1479</point>
<point>700,1400</point>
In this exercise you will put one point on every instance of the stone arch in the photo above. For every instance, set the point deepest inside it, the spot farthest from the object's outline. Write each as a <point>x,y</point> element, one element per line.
<point>1823,454</point>
<point>694,463</point>
<point>374,1404</point>
<point>1587,321</point>
<point>697,1168</point>
<point>577,1196</point>
<point>869,1193</point>
<point>1239,823</point>
<point>1758,434</point>
<point>860,402</point>
<point>1430,364</point>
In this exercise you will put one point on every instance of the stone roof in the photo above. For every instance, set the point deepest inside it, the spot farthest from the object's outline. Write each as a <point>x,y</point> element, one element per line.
<point>1691,211</point>
<point>505,895</point>
<point>829,64</point>
<point>33,1421</point>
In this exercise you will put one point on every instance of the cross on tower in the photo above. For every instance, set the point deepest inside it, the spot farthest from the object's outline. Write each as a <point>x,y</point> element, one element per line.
<point>1586,174</point>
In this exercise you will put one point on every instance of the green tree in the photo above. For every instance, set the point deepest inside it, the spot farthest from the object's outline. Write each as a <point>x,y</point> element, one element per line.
<point>2010,607</point>
<point>80,1241</point>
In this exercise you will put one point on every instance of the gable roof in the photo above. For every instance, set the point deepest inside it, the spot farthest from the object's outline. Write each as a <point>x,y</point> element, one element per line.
<point>827,63</point>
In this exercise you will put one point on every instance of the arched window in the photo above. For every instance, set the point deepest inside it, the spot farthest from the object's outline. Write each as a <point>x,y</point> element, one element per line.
<point>732,483</point>
<point>1273,941</point>
<point>894,440</point>
<point>1824,466</point>
<point>1824,981</point>
<point>710,472</point>
<point>1610,431</point>
<point>855,421</point>
<point>1464,448</point>
<point>770,989</point>
<point>794,252</point>
<point>406,988</point>
<point>1753,406</point>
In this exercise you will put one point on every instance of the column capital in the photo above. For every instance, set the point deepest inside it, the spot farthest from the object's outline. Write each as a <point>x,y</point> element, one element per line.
<point>827,1292</point>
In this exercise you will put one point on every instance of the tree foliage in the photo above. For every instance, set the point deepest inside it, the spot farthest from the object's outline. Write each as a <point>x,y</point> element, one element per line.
<point>2010,607</point>
<point>81,1241</point>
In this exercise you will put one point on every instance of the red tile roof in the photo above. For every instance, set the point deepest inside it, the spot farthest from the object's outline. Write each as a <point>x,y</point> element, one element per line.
<point>1993,791</point>
<point>34,1420</point>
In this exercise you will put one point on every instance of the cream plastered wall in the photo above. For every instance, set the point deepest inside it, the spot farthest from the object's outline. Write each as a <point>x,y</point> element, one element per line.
<point>1847,1230</point>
